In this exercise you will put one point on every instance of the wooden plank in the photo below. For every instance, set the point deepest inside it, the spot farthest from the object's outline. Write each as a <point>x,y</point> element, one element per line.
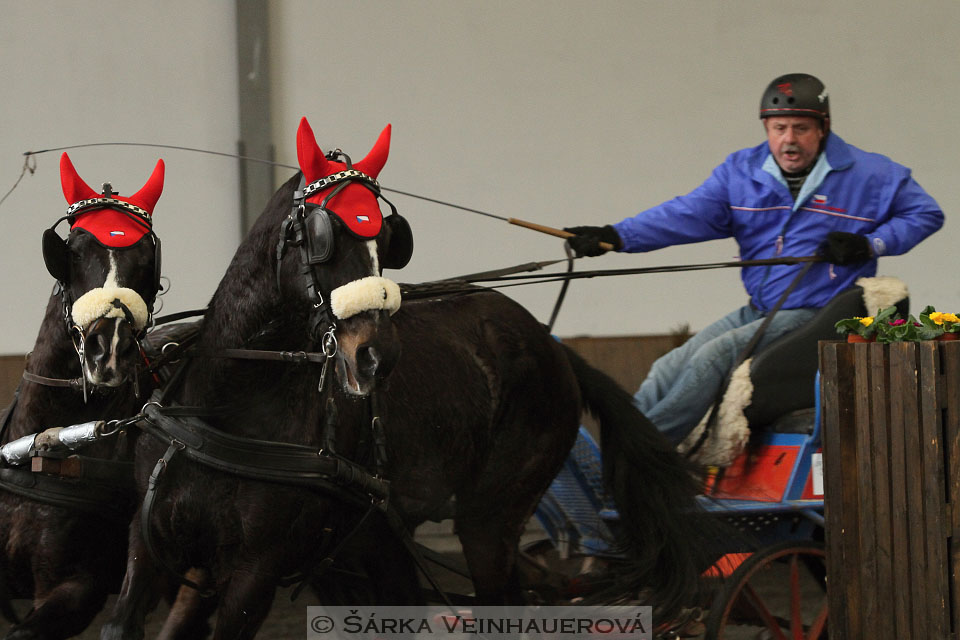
<point>933,491</point>
<point>951,439</point>
<point>832,367</point>
<point>864,581</point>
<point>899,380</point>
<point>880,486</point>
<point>904,358</point>
<point>916,512</point>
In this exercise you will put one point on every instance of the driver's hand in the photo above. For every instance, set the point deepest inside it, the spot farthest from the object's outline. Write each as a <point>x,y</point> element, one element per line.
<point>843,248</point>
<point>586,240</point>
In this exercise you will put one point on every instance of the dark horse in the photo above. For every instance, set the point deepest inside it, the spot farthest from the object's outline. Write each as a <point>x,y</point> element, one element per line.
<point>481,404</point>
<point>63,538</point>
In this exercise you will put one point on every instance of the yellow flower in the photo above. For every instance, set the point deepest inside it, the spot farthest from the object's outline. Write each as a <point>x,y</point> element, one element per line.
<point>865,321</point>
<point>940,318</point>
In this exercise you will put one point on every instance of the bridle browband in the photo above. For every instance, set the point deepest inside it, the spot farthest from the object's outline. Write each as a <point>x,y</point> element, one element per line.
<point>140,216</point>
<point>336,178</point>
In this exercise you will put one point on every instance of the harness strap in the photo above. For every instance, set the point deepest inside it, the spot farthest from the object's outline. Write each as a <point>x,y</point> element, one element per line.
<point>264,460</point>
<point>261,354</point>
<point>146,510</point>
<point>90,497</point>
<point>180,315</point>
<point>73,383</point>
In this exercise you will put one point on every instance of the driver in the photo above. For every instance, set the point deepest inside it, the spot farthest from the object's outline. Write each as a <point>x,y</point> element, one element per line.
<point>801,192</point>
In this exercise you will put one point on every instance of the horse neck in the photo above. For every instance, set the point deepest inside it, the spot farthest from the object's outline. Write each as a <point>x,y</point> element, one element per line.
<point>39,406</point>
<point>247,311</point>
<point>247,296</point>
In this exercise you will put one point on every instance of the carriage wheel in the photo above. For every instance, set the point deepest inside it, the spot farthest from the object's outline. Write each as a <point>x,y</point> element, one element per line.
<point>778,593</point>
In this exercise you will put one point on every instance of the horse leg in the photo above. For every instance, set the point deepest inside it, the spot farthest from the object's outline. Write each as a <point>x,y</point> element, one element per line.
<point>138,595</point>
<point>190,612</point>
<point>63,611</point>
<point>245,602</point>
<point>490,540</point>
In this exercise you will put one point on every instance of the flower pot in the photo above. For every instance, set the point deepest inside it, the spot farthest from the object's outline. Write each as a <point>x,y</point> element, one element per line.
<point>948,336</point>
<point>852,337</point>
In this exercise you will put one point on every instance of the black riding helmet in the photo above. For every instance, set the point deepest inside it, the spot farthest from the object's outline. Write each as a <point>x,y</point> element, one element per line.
<point>796,94</point>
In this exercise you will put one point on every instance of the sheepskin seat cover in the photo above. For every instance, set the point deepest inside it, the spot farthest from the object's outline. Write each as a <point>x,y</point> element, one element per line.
<point>729,435</point>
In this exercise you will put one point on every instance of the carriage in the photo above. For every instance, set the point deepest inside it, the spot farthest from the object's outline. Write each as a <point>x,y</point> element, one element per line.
<point>267,480</point>
<point>773,577</point>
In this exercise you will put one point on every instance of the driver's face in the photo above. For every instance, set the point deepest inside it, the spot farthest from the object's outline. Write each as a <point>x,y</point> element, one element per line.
<point>794,141</point>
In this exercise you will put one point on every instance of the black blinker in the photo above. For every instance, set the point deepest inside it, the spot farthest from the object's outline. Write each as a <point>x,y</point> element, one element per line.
<point>400,247</point>
<point>56,255</point>
<point>319,236</point>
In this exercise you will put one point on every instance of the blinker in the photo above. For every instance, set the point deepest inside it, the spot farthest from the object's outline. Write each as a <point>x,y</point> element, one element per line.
<point>319,232</point>
<point>400,239</point>
<point>56,255</point>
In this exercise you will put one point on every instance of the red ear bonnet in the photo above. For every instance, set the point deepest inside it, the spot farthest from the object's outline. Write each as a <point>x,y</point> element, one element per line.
<point>355,204</point>
<point>111,227</point>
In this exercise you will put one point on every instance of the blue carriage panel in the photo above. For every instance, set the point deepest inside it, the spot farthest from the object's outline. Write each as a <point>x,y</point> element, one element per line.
<point>574,511</point>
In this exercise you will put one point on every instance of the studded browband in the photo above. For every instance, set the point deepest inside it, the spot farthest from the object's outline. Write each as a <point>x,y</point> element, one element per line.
<point>329,181</point>
<point>140,215</point>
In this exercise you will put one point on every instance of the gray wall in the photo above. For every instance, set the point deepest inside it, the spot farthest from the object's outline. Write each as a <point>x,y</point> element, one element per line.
<point>558,112</point>
<point>587,112</point>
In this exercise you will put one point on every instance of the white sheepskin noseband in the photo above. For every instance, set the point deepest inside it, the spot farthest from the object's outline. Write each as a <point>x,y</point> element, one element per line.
<point>365,294</point>
<point>98,303</point>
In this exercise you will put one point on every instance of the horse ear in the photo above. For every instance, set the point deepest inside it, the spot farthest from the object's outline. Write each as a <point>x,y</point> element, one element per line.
<point>74,188</point>
<point>374,161</point>
<point>313,164</point>
<point>147,197</point>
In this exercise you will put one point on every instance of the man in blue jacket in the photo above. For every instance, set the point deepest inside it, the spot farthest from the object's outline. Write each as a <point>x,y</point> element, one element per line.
<point>803,191</point>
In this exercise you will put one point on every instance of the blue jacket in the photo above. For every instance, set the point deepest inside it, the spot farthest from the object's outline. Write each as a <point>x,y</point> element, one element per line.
<point>747,198</point>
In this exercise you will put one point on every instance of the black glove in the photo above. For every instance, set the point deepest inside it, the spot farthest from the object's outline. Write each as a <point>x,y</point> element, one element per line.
<point>586,240</point>
<point>843,248</point>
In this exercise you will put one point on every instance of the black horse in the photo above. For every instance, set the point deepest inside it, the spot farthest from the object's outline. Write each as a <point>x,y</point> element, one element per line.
<point>63,539</point>
<point>481,403</point>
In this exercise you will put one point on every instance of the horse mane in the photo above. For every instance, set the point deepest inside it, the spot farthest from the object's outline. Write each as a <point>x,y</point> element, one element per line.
<point>248,311</point>
<point>247,296</point>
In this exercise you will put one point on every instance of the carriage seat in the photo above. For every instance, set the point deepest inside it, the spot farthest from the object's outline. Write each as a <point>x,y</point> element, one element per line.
<point>774,389</point>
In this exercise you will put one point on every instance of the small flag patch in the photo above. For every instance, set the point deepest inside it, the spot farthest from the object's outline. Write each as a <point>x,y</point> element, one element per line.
<point>117,233</point>
<point>820,199</point>
<point>363,218</point>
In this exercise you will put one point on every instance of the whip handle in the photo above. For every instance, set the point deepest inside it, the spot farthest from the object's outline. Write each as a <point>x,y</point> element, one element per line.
<point>560,233</point>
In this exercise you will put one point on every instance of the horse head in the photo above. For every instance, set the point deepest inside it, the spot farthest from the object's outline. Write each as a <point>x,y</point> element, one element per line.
<point>108,270</point>
<point>344,244</point>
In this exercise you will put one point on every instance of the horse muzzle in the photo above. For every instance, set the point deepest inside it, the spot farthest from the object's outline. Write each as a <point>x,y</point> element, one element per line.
<point>368,345</point>
<point>107,319</point>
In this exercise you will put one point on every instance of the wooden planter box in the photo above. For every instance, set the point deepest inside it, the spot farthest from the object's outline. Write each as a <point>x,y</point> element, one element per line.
<point>891,454</point>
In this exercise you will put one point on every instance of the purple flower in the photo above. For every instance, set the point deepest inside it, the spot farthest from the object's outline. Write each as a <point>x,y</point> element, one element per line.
<point>897,322</point>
